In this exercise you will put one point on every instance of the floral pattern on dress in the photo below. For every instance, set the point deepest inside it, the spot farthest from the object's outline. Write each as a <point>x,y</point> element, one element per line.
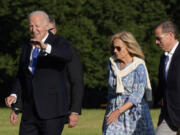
<point>137,120</point>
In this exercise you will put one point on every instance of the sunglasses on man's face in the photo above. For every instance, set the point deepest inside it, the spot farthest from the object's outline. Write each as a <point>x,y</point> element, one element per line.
<point>118,48</point>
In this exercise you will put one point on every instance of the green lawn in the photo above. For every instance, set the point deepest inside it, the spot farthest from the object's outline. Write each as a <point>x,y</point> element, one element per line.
<point>90,122</point>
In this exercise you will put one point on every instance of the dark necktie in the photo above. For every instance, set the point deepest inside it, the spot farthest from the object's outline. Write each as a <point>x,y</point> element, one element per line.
<point>34,59</point>
<point>165,66</point>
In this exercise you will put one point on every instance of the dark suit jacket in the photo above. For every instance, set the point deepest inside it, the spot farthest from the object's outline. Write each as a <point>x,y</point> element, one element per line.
<point>74,76</point>
<point>44,93</point>
<point>169,89</point>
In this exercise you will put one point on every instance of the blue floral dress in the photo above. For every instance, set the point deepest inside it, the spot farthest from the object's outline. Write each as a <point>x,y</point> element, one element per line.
<point>137,120</point>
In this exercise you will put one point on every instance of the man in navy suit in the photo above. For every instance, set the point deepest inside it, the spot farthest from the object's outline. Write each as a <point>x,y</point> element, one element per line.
<point>40,80</point>
<point>168,92</point>
<point>74,76</point>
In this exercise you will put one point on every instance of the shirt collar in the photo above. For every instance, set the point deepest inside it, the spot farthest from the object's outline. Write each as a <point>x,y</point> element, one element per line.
<point>172,50</point>
<point>43,40</point>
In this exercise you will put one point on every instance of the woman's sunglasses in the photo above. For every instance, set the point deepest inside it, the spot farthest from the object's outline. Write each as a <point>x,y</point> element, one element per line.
<point>116,47</point>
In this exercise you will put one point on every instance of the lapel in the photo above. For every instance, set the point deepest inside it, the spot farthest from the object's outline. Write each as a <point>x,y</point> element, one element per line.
<point>49,38</point>
<point>174,61</point>
<point>28,53</point>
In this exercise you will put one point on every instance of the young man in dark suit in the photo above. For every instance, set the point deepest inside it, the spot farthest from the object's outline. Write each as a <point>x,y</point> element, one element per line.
<point>168,92</point>
<point>74,76</point>
<point>40,80</point>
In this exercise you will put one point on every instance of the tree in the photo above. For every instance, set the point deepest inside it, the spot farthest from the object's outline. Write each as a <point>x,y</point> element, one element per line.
<point>88,25</point>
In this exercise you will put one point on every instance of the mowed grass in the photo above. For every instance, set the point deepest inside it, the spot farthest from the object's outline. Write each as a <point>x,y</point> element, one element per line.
<point>90,122</point>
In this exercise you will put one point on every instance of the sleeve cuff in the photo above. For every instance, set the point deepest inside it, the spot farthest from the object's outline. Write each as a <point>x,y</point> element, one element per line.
<point>133,101</point>
<point>75,113</point>
<point>14,95</point>
<point>48,49</point>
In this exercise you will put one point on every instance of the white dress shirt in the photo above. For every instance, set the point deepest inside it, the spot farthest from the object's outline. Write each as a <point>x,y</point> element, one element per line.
<point>170,54</point>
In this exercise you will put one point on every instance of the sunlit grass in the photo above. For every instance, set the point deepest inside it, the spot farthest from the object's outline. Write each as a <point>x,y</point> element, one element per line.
<point>90,122</point>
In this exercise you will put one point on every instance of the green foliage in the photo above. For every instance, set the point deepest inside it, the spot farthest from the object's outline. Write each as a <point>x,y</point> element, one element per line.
<point>88,25</point>
<point>7,64</point>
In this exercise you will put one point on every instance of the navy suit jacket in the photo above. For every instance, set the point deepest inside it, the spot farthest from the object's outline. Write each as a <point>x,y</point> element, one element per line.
<point>169,89</point>
<point>44,92</point>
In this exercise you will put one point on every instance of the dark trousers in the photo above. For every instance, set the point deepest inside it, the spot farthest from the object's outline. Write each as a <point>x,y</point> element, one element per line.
<point>37,126</point>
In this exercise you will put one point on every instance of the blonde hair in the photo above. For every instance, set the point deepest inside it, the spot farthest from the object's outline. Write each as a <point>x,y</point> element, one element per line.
<point>132,45</point>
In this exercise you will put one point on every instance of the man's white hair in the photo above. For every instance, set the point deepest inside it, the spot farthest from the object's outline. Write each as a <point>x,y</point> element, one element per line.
<point>37,12</point>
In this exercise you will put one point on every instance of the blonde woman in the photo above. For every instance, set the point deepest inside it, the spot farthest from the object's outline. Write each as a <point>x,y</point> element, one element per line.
<point>127,112</point>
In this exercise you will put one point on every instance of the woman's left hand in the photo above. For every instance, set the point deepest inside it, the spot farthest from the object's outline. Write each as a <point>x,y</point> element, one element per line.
<point>113,117</point>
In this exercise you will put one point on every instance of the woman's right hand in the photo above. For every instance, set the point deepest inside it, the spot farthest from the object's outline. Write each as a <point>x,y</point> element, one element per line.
<point>113,116</point>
